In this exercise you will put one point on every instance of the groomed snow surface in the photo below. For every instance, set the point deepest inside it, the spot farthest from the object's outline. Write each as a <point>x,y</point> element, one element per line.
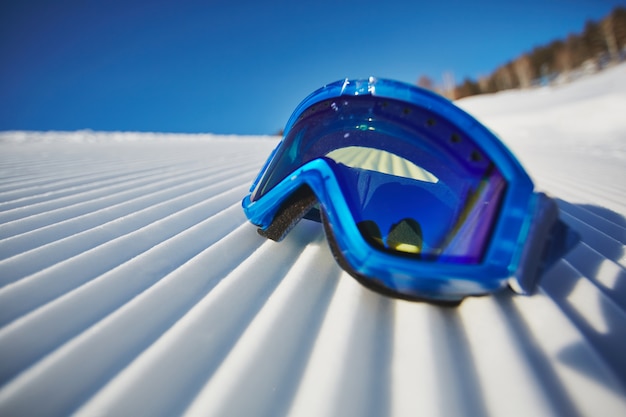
<point>132,285</point>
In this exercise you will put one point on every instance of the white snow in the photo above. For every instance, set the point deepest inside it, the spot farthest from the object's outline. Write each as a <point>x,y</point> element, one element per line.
<point>588,112</point>
<point>132,284</point>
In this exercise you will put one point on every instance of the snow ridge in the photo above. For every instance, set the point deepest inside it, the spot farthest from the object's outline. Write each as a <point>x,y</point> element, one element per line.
<point>132,284</point>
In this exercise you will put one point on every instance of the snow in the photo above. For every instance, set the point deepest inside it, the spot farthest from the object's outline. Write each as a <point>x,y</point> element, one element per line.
<point>132,284</point>
<point>586,116</point>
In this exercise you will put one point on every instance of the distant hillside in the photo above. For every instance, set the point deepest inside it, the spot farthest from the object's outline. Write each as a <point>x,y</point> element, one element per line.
<point>598,45</point>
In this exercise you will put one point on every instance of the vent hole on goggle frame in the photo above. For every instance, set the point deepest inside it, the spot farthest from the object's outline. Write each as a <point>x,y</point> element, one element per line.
<point>455,138</point>
<point>475,156</point>
<point>431,122</point>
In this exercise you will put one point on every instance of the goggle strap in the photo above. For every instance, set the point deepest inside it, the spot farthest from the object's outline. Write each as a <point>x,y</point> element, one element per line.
<point>291,211</point>
<point>549,238</point>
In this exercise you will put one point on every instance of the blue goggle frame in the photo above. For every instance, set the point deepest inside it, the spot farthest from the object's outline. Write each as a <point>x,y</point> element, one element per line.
<point>525,239</point>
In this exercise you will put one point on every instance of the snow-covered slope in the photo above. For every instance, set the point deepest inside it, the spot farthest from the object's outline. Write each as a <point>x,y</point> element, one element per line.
<point>131,284</point>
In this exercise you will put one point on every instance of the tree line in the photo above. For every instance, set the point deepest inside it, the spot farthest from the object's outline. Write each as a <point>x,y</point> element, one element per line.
<point>598,45</point>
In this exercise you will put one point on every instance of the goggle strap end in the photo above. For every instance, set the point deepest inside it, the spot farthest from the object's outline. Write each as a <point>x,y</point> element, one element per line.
<point>549,238</point>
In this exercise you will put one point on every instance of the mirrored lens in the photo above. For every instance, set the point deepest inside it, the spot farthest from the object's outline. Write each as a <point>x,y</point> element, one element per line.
<point>416,186</point>
<point>402,208</point>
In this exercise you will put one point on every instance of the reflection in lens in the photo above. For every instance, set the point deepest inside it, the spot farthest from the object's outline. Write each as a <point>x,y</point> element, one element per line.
<point>380,161</point>
<point>405,236</point>
<point>403,208</point>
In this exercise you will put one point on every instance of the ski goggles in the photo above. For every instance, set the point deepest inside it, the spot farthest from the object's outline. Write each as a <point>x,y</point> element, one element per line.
<point>418,199</point>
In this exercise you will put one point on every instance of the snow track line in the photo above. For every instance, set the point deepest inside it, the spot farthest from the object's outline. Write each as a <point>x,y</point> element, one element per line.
<point>293,311</point>
<point>109,169</point>
<point>107,293</point>
<point>105,181</point>
<point>81,205</point>
<point>54,280</point>
<point>24,189</point>
<point>59,179</point>
<point>157,195</point>
<point>65,247</point>
<point>207,325</point>
<point>65,196</point>
<point>584,193</point>
<point>592,312</point>
<point>610,248</point>
<point>606,274</point>
<point>608,226</point>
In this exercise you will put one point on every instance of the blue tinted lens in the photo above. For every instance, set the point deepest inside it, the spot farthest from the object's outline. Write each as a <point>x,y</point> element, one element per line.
<point>414,183</point>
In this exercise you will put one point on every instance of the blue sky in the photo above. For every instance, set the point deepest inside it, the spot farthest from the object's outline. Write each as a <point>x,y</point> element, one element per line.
<point>242,66</point>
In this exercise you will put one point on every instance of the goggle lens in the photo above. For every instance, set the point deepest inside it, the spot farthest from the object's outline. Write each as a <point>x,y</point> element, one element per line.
<point>414,184</point>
